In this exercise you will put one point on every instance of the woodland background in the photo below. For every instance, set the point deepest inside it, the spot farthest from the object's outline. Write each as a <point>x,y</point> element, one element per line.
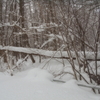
<point>71,26</point>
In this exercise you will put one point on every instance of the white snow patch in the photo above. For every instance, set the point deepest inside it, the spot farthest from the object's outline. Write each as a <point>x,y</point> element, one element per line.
<point>38,74</point>
<point>35,84</point>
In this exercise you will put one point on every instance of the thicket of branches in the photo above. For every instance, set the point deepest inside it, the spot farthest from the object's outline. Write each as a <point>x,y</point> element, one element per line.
<point>57,25</point>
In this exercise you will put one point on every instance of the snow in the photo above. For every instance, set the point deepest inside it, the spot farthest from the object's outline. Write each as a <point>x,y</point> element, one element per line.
<point>49,40</point>
<point>89,55</point>
<point>93,67</point>
<point>37,84</point>
<point>43,26</point>
<point>38,74</point>
<point>35,81</point>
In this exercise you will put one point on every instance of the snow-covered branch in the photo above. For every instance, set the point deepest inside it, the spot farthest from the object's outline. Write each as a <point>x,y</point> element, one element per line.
<point>79,84</point>
<point>89,86</point>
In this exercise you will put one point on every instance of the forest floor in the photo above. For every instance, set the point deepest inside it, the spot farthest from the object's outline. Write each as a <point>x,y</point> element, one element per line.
<point>33,83</point>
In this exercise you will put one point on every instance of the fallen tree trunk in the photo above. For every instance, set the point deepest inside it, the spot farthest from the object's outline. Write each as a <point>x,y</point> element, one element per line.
<point>38,52</point>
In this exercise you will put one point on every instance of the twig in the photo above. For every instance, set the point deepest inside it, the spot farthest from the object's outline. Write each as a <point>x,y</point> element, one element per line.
<point>21,62</point>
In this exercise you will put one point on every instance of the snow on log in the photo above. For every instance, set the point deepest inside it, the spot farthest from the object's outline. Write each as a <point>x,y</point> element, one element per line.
<point>40,52</point>
<point>90,56</point>
<point>53,54</point>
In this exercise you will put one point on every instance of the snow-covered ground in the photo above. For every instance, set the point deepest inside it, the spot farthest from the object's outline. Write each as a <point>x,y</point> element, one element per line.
<point>37,84</point>
<point>34,83</point>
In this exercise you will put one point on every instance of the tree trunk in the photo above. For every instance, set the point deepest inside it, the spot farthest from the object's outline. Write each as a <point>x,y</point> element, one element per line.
<point>0,21</point>
<point>24,37</point>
